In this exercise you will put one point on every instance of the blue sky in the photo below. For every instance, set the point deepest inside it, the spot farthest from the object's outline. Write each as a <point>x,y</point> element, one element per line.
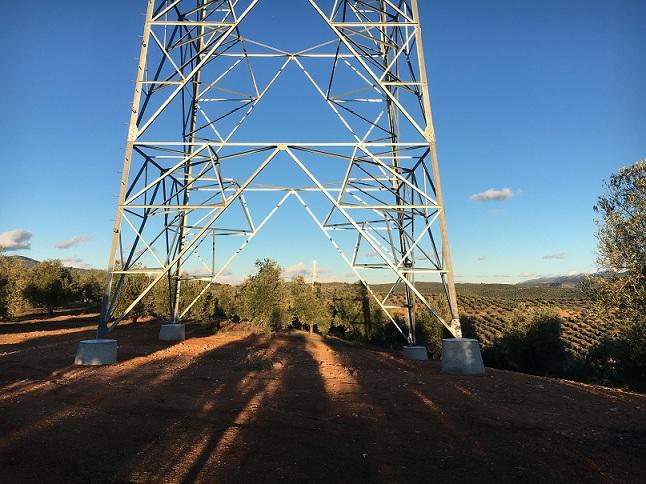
<point>546,99</point>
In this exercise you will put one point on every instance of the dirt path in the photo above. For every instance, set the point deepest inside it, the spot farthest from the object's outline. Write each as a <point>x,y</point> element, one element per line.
<point>298,409</point>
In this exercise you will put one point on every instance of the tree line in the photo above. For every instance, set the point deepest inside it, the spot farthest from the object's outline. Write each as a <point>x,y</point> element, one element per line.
<point>266,301</point>
<point>47,285</point>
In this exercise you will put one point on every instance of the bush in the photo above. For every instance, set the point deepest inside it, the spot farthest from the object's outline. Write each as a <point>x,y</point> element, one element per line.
<point>264,297</point>
<point>90,290</point>
<point>308,307</point>
<point>12,282</point>
<point>50,285</point>
<point>226,302</point>
<point>621,359</point>
<point>429,331</point>
<point>131,287</point>
<point>531,344</point>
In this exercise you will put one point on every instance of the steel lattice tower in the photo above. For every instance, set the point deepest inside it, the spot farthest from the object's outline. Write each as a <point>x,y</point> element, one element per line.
<point>188,177</point>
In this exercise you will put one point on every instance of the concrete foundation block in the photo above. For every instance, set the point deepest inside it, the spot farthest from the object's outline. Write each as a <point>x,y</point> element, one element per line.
<point>461,356</point>
<point>94,352</point>
<point>172,332</point>
<point>415,353</point>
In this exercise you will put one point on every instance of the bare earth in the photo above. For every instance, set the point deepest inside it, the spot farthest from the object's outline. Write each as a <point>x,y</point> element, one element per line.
<point>323,411</point>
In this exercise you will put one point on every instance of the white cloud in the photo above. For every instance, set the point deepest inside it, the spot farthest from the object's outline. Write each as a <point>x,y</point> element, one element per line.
<point>201,271</point>
<point>527,274</point>
<point>76,262</point>
<point>72,241</point>
<point>303,269</point>
<point>559,255</point>
<point>483,257</point>
<point>493,194</point>
<point>298,269</point>
<point>371,253</point>
<point>15,240</point>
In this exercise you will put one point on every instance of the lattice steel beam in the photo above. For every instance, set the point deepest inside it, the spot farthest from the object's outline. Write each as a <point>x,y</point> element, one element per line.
<point>189,179</point>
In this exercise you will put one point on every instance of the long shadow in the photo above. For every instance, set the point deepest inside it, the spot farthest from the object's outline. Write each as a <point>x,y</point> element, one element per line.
<point>289,433</point>
<point>32,326</point>
<point>36,357</point>
<point>213,409</point>
<point>166,417</point>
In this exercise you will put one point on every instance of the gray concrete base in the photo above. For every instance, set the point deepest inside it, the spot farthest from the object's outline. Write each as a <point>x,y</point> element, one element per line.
<point>415,353</point>
<point>172,332</point>
<point>461,356</point>
<point>94,352</point>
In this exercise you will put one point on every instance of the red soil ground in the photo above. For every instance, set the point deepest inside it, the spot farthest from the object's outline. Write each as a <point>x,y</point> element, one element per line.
<point>323,411</point>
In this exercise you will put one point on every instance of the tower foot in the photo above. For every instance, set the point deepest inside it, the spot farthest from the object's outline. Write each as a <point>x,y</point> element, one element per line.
<point>172,332</point>
<point>95,352</point>
<point>415,353</point>
<point>461,356</point>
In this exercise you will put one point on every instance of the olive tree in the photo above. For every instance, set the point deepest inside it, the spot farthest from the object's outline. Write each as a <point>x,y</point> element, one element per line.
<point>622,254</point>
<point>307,305</point>
<point>131,287</point>
<point>264,297</point>
<point>50,285</point>
<point>622,243</point>
<point>13,277</point>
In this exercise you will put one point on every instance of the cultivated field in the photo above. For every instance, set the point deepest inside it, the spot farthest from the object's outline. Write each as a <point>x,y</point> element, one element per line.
<point>242,407</point>
<point>489,307</point>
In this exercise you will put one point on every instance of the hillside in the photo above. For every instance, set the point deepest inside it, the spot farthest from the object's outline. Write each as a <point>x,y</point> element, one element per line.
<point>27,262</point>
<point>239,407</point>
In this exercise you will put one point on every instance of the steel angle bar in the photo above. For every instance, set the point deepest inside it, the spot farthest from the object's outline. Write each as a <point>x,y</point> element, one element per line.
<point>218,43</point>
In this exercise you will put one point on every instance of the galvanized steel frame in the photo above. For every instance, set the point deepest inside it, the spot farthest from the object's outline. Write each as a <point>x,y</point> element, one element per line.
<point>380,42</point>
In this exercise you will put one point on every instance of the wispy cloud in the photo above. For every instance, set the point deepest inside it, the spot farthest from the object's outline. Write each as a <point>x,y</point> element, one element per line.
<point>72,241</point>
<point>527,274</point>
<point>483,257</point>
<point>371,253</point>
<point>15,240</point>
<point>76,262</point>
<point>559,255</point>
<point>493,194</point>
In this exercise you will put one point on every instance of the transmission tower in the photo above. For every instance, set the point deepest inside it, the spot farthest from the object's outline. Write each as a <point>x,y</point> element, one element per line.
<point>189,176</point>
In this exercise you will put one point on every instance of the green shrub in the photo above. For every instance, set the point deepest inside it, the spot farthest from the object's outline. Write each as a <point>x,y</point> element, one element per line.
<point>532,344</point>
<point>50,285</point>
